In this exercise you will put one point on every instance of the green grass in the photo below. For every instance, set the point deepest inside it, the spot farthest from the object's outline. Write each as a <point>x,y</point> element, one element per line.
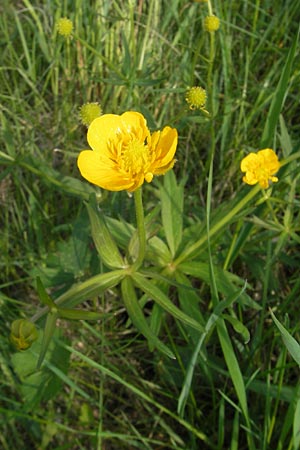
<point>101,385</point>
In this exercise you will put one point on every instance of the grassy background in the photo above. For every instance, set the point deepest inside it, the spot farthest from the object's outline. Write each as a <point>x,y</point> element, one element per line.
<point>103,388</point>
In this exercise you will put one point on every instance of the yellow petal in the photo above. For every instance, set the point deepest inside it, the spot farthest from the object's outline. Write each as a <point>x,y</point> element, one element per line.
<point>103,130</point>
<point>270,160</point>
<point>134,122</point>
<point>166,146</point>
<point>250,162</point>
<point>163,169</point>
<point>250,178</point>
<point>102,171</point>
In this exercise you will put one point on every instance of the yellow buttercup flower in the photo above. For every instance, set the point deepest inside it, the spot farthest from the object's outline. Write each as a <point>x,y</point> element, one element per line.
<point>260,167</point>
<point>124,154</point>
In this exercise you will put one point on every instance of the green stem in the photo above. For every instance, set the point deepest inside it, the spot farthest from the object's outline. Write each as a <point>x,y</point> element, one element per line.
<point>218,226</point>
<point>140,221</point>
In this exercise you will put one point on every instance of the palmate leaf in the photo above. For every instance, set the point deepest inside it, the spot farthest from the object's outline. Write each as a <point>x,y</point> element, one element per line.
<point>137,317</point>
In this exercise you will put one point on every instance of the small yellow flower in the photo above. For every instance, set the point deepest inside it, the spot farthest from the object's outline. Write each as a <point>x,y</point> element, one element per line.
<point>89,112</point>
<point>23,333</point>
<point>260,167</point>
<point>64,27</point>
<point>124,153</point>
<point>211,23</point>
<point>196,97</point>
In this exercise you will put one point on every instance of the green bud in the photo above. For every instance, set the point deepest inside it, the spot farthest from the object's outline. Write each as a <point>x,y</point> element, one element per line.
<point>23,333</point>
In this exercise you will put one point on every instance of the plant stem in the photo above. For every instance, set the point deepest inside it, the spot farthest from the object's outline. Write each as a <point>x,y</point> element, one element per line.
<point>140,221</point>
<point>218,226</point>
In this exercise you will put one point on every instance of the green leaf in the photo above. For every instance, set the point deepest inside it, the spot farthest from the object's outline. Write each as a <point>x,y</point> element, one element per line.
<point>239,327</point>
<point>159,297</point>
<point>38,386</point>
<point>44,297</point>
<point>278,97</point>
<point>90,288</point>
<point>233,367</point>
<point>171,195</point>
<point>48,334</point>
<point>213,319</point>
<point>137,317</point>
<point>290,343</point>
<point>296,426</point>
<point>86,289</point>
<point>78,314</point>
<point>226,281</point>
<point>105,244</point>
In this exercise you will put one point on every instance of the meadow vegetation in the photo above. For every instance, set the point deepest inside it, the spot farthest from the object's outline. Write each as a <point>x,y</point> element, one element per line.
<point>196,347</point>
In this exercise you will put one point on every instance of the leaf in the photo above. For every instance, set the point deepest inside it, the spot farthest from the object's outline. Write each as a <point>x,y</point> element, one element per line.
<point>39,385</point>
<point>171,195</point>
<point>296,426</point>
<point>213,319</point>
<point>90,288</point>
<point>78,314</point>
<point>225,280</point>
<point>137,317</point>
<point>44,297</point>
<point>279,96</point>
<point>290,343</point>
<point>239,327</point>
<point>47,336</point>
<point>158,296</point>
<point>105,244</point>
<point>233,367</point>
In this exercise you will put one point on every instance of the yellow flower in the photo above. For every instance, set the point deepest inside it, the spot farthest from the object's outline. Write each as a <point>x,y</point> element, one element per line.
<point>211,23</point>
<point>260,167</point>
<point>124,153</point>
<point>196,97</point>
<point>23,333</point>
<point>89,112</point>
<point>64,27</point>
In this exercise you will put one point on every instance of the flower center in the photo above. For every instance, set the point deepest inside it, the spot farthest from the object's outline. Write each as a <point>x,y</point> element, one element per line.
<point>135,158</point>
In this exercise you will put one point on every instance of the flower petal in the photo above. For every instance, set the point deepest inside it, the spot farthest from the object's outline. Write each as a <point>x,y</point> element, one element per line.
<point>270,160</point>
<point>165,146</point>
<point>102,171</point>
<point>250,162</point>
<point>134,122</point>
<point>102,130</point>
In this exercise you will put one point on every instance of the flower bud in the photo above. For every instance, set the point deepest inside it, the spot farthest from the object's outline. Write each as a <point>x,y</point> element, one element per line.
<point>196,97</point>
<point>64,27</point>
<point>89,112</point>
<point>23,333</point>
<point>211,23</point>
